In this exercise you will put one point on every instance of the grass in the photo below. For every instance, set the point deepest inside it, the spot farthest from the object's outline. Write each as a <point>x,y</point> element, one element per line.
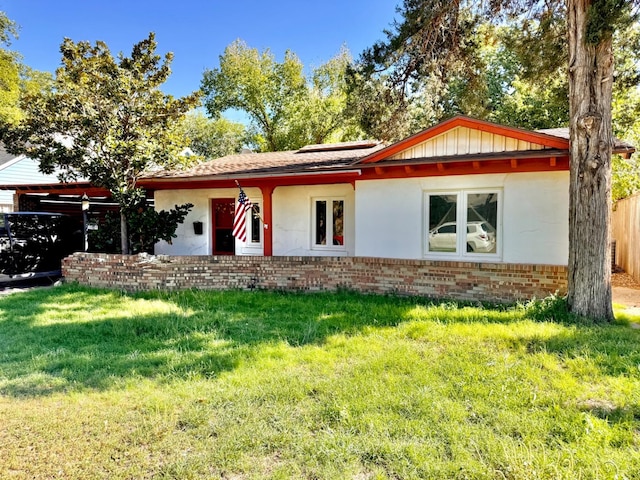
<point>242,385</point>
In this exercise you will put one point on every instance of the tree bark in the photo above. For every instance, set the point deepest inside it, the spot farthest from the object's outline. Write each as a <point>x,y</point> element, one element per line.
<point>590,87</point>
<point>124,233</point>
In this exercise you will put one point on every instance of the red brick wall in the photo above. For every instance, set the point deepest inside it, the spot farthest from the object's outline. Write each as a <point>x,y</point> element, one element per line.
<point>494,282</point>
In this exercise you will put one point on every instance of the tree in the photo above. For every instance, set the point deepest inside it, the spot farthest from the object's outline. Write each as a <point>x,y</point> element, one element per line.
<point>15,77</point>
<point>105,120</point>
<point>213,138</point>
<point>286,110</point>
<point>145,225</point>
<point>321,114</point>
<point>256,84</point>
<point>432,36</point>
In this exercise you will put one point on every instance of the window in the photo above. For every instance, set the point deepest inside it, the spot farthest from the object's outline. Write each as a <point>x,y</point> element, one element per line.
<point>477,213</point>
<point>328,223</point>
<point>254,225</point>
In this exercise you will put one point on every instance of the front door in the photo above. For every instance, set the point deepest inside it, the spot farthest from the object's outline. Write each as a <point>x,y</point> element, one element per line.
<point>223,210</point>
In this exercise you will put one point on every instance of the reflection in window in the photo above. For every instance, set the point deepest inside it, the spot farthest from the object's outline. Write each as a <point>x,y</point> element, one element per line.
<point>328,222</point>
<point>442,223</point>
<point>482,218</point>
<point>321,222</point>
<point>256,227</point>
<point>338,220</point>
<point>473,215</point>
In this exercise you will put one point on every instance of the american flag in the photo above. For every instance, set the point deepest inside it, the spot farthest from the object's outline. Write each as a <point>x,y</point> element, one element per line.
<point>239,222</point>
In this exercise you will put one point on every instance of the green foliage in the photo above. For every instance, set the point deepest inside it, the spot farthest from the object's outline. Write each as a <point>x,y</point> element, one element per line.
<point>213,138</point>
<point>604,18</point>
<point>255,83</point>
<point>15,77</point>
<point>267,385</point>
<point>106,238</point>
<point>625,178</point>
<point>145,227</point>
<point>8,29</point>
<point>321,115</point>
<point>287,110</point>
<point>553,308</point>
<point>106,119</point>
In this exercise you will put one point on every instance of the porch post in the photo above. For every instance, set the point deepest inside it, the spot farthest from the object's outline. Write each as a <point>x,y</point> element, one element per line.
<point>267,191</point>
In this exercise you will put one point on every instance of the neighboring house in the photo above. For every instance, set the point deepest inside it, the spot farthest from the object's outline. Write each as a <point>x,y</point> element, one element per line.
<point>463,190</point>
<point>18,170</point>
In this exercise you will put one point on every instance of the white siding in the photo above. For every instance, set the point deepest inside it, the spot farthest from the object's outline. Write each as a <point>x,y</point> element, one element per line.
<point>390,215</point>
<point>187,242</point>
<point>465,141</point>
<point>23,171</point>
<point>291,227</point>
<point>386,218</point>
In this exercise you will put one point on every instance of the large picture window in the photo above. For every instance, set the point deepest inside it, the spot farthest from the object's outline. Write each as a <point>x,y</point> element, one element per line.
<point>463,223</point>
<point>328,223</point>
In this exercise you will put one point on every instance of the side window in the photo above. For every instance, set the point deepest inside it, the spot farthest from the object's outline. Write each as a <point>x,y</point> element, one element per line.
<point>482,215</point>
<point>475,212</point>
<point>255,224</point>
<point>328,223</point>
<point>442,216</point>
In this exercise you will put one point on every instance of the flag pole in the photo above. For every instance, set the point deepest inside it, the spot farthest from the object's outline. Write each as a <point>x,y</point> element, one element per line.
<point>253,208</point>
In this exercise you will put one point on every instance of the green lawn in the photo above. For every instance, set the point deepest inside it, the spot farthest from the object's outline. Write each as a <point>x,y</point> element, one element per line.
<point>239,385</point>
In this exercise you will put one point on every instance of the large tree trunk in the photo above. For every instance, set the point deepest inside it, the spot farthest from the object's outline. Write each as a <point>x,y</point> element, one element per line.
<point>590,84</point>
<point>124,233</point>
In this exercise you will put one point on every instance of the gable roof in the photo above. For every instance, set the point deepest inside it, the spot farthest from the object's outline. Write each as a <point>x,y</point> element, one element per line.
<point>7,158</point>
<point>467,136</point>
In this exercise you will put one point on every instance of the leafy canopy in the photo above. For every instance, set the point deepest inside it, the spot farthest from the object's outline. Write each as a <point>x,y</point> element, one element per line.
<point>15,77</point>
<point>106,120</point>
<point>286,109</point>
<point>211,138</point>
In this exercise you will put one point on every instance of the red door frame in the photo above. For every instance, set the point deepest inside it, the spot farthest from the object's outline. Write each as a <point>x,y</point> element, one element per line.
<point>225,226</point>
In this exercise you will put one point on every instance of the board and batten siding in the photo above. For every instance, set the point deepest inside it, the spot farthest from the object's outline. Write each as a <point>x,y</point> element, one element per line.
<point>465,141</point>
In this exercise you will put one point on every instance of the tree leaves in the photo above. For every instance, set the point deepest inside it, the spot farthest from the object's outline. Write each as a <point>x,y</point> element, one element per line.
<point>105,120</point>
<point>286,109</point>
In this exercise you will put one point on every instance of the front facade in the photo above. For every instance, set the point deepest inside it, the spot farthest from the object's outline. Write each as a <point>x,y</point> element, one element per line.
<point>463,191</point>
<point>466,210</point>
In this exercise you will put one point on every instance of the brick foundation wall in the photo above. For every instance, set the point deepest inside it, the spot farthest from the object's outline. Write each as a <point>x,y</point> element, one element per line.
<point>495,282</point>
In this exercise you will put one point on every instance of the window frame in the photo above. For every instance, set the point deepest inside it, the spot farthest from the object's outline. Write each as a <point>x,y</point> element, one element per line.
<point>249,247</point>
<point>249,221</point>
<point>462,203</point>
<point>328,215</point>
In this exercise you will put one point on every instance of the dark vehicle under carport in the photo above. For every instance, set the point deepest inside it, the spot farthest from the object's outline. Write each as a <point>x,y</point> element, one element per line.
<point>33,244</point>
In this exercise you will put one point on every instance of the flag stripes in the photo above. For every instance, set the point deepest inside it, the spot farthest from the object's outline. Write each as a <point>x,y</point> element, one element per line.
<point>240,219</point>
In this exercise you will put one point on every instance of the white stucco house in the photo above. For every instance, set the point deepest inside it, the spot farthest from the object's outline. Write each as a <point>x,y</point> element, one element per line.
<point>462,190</point>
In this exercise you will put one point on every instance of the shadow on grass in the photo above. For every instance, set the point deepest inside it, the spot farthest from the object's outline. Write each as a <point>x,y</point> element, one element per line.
<point>72,338</point>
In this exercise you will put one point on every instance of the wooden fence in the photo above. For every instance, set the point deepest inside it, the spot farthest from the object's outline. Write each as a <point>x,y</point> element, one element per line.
<point>625,231</point>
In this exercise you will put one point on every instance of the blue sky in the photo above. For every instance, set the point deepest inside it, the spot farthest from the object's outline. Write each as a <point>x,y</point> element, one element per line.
<point>197,31</point>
